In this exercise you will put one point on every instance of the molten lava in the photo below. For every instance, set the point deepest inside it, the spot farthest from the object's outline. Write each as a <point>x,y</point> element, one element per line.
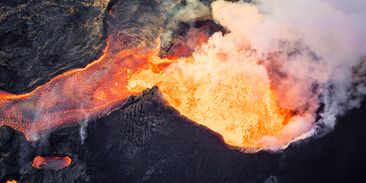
<point>229,93</point>
<point>11,181</point>
<point>53,163</point>
<point>74,96</point>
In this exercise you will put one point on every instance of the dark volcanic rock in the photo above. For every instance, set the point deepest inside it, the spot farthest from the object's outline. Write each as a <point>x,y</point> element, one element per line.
<point>15,153</point>
<point>134,24</point>
<point>147,141</point>
<point>41,39</point>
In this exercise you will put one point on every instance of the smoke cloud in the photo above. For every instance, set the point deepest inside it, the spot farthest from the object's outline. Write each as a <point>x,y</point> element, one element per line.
<point>313,51</point>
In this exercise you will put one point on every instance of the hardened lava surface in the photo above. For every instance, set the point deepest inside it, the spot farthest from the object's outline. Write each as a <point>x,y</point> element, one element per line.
<point>41,39</point>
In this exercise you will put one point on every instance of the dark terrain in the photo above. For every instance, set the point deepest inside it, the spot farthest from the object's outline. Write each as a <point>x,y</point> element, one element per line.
<point>144,140</point>
<point>41,39</point>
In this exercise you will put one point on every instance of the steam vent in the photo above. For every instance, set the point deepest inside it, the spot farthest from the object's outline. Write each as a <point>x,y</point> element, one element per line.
<point>186,91</point>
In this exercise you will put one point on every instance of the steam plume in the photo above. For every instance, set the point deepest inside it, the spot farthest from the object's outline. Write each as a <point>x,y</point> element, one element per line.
<point>312,49</point>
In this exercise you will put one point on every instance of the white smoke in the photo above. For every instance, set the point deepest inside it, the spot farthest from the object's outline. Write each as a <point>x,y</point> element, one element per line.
<point>317,44</point>
<point>83,131</point>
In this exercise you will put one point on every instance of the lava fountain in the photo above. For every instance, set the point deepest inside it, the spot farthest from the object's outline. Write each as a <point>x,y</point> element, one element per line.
<point>226,93</point>
<point>258,89</point>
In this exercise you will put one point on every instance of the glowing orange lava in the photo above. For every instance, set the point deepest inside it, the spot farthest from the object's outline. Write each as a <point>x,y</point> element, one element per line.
<point>11,181</point>
<point>231,96</point>
<point>74,96</point>
<point>54,162</point>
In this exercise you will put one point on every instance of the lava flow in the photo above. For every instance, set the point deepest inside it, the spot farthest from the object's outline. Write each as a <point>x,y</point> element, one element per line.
<point>53,162</point>
<point>74,96</point>
<point>11,181</point>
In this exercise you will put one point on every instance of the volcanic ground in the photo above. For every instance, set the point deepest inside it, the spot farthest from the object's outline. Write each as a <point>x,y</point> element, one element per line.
<point>143,139</point>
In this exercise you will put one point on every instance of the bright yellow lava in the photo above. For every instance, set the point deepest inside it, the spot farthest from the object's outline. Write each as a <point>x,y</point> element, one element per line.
<point>11,181</point>
<point>230,96</point>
